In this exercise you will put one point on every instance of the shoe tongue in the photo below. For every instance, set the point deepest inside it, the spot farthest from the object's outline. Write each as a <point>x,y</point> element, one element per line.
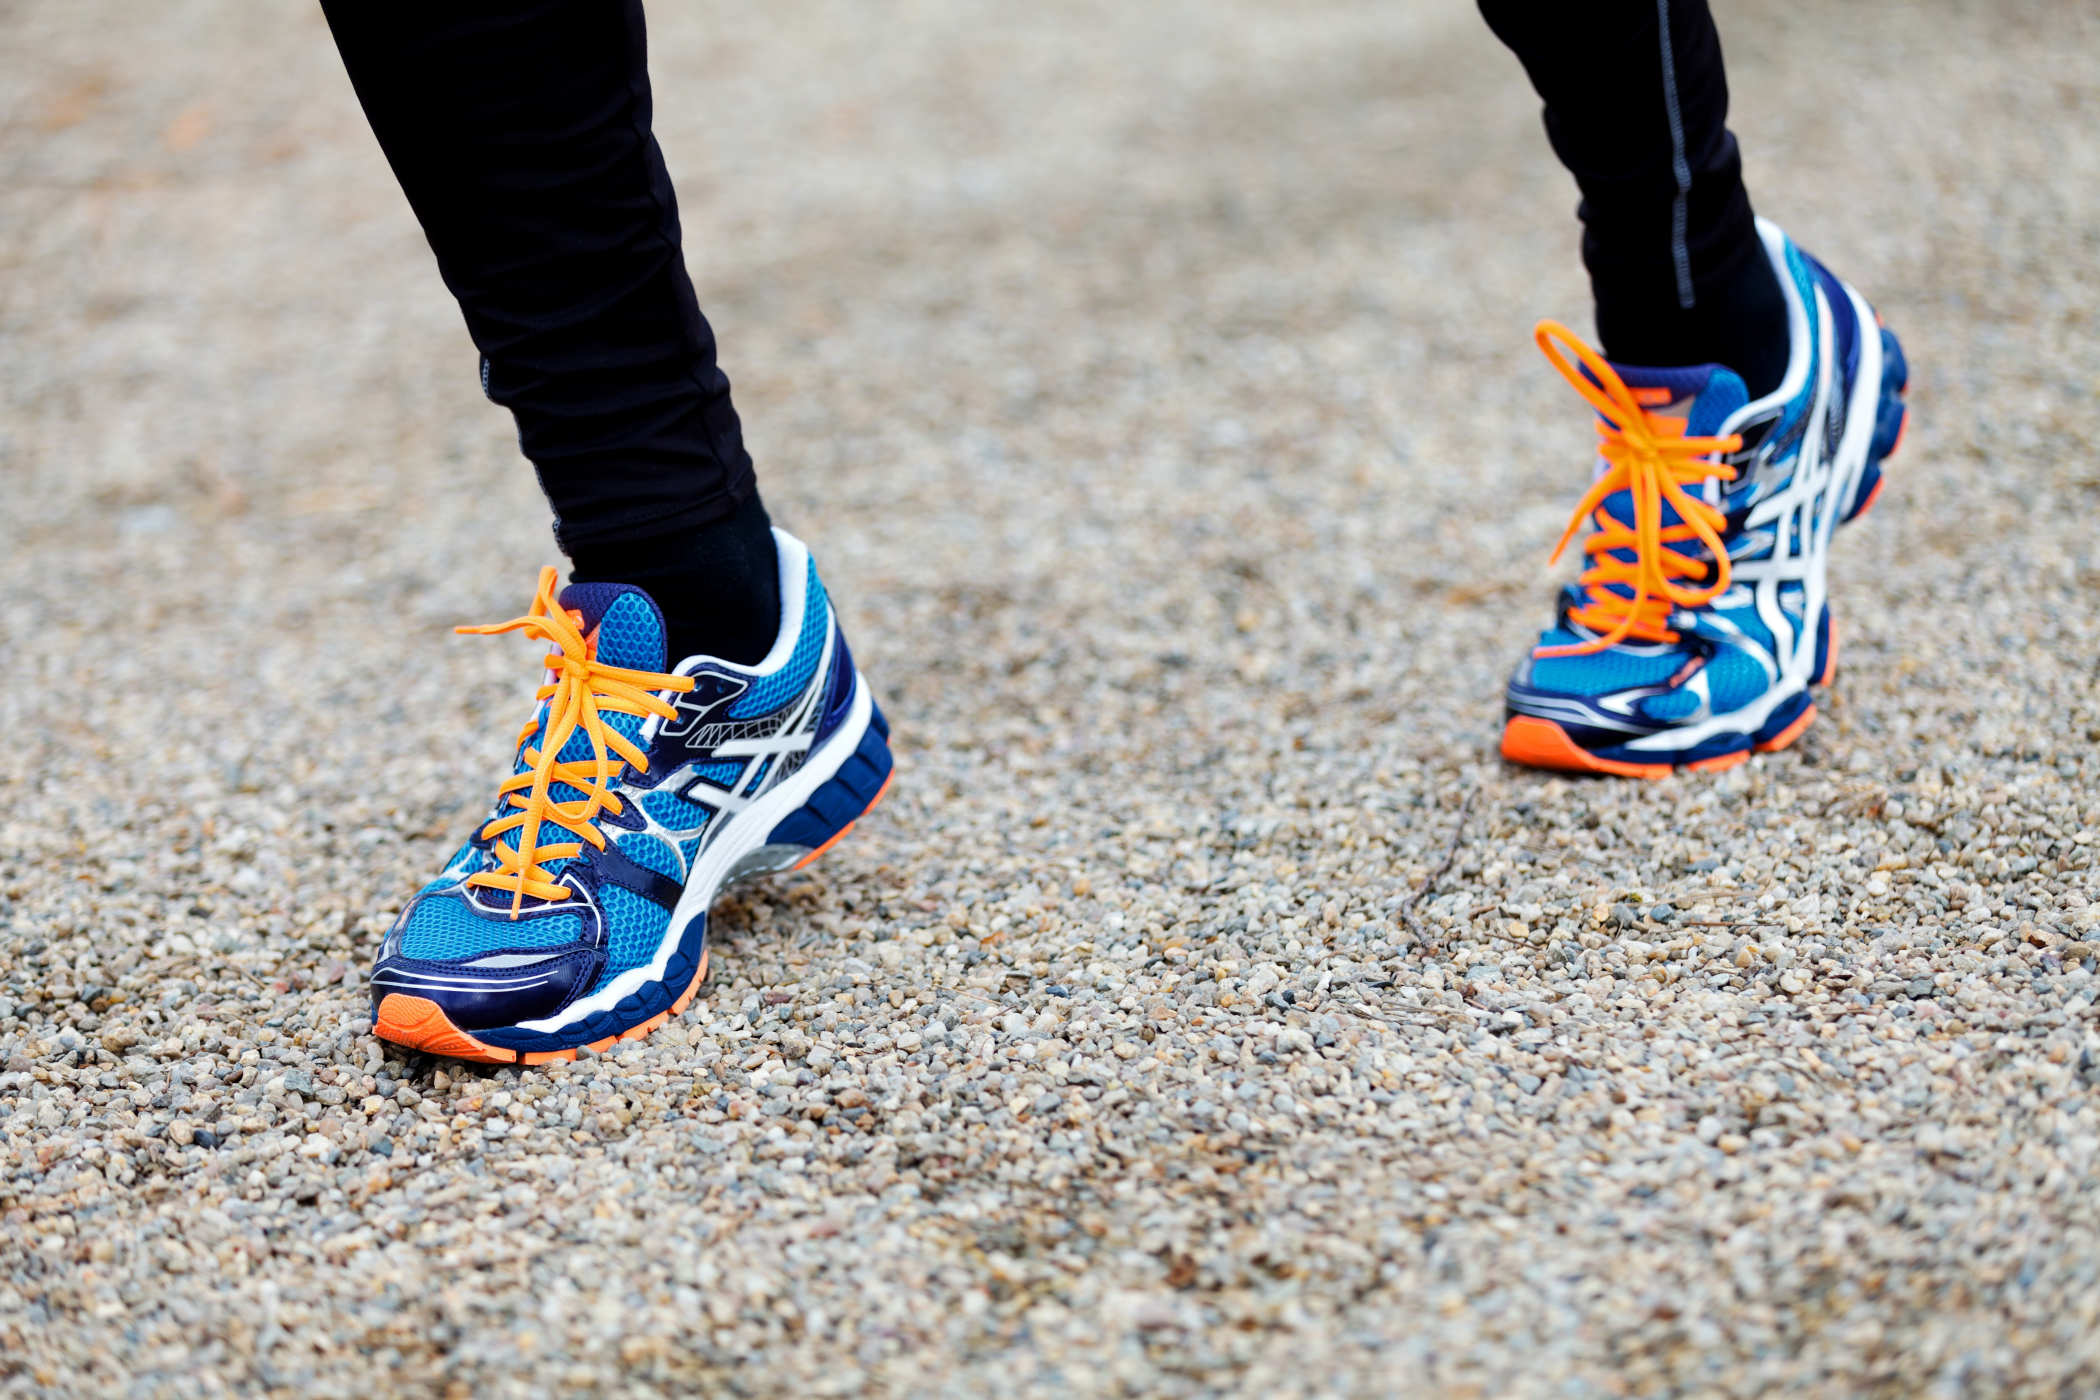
<point>1704,395</point>
<point>629,631</point>
<point>630,628</point>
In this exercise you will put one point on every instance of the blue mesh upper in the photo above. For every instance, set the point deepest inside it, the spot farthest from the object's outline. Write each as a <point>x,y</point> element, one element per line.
<point>673,811</point>
<point>653,854</point>
<point>1714,393</point>
<point>636,926</point>
<point>446,929</point>
<point>1678,704</point>
<point>768,693</point>
<point>631,633</point>
<point>1734,679</point>
<point>1601,672</point>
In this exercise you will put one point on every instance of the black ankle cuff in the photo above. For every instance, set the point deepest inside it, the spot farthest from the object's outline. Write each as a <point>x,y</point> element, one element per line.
<point>717,584</point>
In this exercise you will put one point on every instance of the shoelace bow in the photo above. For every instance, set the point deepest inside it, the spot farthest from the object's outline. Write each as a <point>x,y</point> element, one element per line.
<point>579,691</point>
<point>1648,456</point>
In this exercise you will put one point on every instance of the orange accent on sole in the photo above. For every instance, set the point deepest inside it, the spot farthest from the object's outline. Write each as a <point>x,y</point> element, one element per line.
<point>1872,496</point>
<point>840,835</point>
<point>1830,658</point>
<point>1790,733</point>
<point>637,1032</point>
<point>421,1024</point>
<point>1540,743</point>
<point>685,998</point>
<point>1902,431</point>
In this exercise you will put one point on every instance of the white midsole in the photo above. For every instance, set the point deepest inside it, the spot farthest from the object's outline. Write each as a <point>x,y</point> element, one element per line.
<point>1847,464</point>
<point>746,831</point>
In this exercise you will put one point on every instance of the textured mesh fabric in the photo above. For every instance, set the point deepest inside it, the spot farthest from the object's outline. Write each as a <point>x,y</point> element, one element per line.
<point>630,634</point>
<point>1797,268</point>
<point>1705,396</point>
<point>1678,704</point>
<point>722,775</point>
<point>674,812</point>
<point>630,630</point>
<point>1603,672</point>
<point>1734,680</point>
<point>769,693</point>
<point>652,854</point>
<point>446,930</point>
<point>635,927</point>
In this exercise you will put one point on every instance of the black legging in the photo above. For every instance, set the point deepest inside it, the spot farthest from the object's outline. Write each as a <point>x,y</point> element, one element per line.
<point>1641,123</point>
<point>520,132</point>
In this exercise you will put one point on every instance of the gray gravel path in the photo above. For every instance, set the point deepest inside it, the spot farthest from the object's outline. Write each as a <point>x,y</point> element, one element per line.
<point>1155,384</point>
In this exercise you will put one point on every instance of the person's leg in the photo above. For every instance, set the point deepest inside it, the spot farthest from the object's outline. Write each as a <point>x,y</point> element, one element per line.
<point>1744,404</point>
<point>521,135</point>
<point>1636,106</point>
<point>700,719</point>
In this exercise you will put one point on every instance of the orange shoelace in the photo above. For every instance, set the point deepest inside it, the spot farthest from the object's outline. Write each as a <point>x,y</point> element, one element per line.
<point>1647,455</point>
<point>578,693</point>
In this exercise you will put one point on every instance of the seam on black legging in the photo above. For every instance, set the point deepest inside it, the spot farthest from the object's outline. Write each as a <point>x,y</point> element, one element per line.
<point>1680,207</point>
<point>737,486</point>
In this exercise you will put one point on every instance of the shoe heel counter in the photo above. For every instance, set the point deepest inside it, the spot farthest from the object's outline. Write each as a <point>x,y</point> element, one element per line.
<point>852,791</point>
<point>1844,324</point>
<point>838,687</point>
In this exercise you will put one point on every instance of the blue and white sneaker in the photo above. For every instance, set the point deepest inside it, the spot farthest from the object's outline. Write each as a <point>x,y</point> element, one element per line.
<point>1702,621</point>
<point>577,913</point>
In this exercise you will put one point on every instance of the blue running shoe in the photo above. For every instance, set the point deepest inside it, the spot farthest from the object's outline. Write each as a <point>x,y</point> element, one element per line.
<point>576,915</point>
<point>1702,621</point>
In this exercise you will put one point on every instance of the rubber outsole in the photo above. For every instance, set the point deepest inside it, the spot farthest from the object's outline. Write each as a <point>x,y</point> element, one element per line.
<point>417,1023</point>
<point>1537,742</point>
<point>873,802</point>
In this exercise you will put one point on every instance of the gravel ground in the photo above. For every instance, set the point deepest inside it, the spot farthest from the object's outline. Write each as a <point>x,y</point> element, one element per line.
<point>1155,384</point>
